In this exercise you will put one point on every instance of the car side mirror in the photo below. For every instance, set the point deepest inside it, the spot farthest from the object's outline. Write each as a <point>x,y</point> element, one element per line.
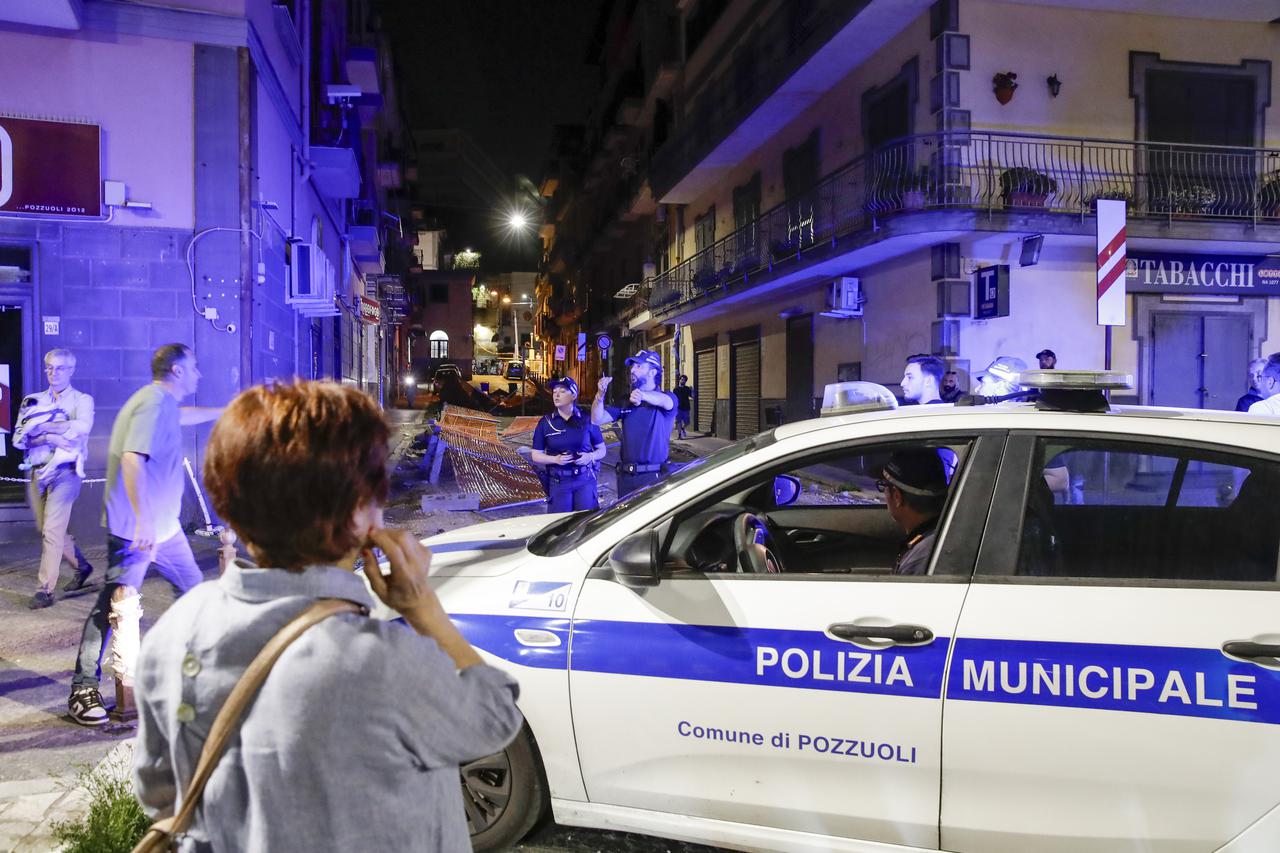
<point>786,490</point>
<point>635,559</point>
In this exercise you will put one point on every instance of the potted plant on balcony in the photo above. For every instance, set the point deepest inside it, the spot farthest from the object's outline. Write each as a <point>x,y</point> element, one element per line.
<point>1192,199</point>
<point>1025,187</point>
<point>783,248</point>
<point>915,189</point>
<point>705,278</point>
<point>1269,195</point>
<point>1110,194</point>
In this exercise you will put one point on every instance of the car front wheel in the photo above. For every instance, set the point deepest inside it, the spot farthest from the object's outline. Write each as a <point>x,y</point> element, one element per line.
<point>505,794</point>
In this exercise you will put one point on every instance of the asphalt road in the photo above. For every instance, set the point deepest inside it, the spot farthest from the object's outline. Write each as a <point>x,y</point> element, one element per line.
<point>554,838</point>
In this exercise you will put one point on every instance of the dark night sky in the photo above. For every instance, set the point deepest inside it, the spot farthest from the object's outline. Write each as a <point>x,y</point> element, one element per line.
<point>505,71</point>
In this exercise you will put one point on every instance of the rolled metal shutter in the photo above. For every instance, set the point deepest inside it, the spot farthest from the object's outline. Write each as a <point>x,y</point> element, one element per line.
<point>746,389</point>
<point>704,378</point>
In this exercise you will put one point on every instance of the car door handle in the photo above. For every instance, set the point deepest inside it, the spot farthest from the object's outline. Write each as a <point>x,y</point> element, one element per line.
<point>1247,649</point>
<point>903,634</point>
<point>808,538</point>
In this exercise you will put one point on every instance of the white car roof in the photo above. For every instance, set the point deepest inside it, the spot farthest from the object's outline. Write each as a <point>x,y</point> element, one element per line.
<point>1220,427</point>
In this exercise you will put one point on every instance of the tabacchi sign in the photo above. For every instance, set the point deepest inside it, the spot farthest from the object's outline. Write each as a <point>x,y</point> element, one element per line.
<point>50,167</point>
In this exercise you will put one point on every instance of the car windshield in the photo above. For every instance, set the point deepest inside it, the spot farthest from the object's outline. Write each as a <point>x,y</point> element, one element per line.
<point>561,538</point>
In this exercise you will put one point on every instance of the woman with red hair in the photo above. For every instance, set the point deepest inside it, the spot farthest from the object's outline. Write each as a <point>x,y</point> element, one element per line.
<point>354,740</point>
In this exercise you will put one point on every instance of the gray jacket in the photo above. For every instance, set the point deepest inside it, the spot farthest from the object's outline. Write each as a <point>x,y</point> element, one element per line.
<point>354,741</point>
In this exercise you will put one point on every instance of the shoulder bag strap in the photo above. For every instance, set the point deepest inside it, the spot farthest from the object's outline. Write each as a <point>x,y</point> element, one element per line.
<point>233,709</point>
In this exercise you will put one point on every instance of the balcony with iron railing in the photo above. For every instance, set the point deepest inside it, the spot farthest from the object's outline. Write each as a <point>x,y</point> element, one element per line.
<point>976,171</point>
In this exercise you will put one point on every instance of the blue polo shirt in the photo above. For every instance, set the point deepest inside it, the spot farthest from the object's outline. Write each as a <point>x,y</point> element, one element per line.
<point>646,431</point>
<point>555,435</point>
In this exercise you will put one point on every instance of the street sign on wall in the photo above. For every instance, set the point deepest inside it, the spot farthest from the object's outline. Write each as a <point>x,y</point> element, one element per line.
<point>991,292</point>
<point>370,311</point>
<point>50,167</point>
<point>560,353</point>
<point>1229,275</point>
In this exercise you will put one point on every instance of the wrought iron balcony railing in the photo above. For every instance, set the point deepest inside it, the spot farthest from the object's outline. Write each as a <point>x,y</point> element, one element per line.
<point>978,170</point>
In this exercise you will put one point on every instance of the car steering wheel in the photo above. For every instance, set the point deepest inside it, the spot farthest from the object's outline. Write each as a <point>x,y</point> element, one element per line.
<point>754,546</point>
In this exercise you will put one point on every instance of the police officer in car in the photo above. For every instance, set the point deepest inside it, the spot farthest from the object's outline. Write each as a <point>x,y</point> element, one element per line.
<point>646,423</point>
<point>571,447</point>
<point>914,483</point>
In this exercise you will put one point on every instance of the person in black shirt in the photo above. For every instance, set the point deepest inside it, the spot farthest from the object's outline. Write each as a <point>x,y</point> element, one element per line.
<point>646,423</point>
<point>571,447</point>
<point>684,403</point>
<point>1252,395</point>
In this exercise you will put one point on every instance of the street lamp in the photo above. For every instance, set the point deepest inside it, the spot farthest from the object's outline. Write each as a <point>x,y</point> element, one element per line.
<point>515,323</point>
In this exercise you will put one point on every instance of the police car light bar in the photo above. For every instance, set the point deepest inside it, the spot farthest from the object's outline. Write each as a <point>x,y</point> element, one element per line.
<point>845,398</point>
<point>1076,380</point>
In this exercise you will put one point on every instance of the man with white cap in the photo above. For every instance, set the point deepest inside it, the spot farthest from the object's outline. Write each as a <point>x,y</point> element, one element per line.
<point>1000,377</point>
<point>646,423</point>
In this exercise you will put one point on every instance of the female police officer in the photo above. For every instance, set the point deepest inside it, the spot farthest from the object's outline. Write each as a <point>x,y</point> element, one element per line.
<point>570,446</point>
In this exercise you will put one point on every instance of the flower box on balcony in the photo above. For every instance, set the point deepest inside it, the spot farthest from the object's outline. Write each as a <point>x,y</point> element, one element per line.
<point>1024,187</point>
<point>1188,200</point>
<point>1109,195</point>
<point>916,189</point>
<point>1269,196</point>
<point>783,249</point>
<point>705,279</point>
<point>745,265</point>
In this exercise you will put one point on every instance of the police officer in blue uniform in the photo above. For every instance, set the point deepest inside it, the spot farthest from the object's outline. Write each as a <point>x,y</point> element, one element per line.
<point>571,447</point>
<point>646,423</point>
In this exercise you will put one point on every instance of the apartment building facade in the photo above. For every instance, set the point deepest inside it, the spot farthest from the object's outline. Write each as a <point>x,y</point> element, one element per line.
<point>837,173</point>
<point>211,172</point>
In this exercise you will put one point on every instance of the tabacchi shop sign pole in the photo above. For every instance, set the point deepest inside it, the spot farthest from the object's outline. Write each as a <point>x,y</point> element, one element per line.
<point>1111,268</point>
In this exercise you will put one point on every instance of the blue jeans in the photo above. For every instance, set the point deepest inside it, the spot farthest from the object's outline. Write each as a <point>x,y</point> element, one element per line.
<point>572,494</point>
<point>628,483</point>
<point>177,565</point>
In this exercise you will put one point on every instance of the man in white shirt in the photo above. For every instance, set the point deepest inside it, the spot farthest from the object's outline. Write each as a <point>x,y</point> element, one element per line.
<point>1269,388</point>
<point>53,429</point>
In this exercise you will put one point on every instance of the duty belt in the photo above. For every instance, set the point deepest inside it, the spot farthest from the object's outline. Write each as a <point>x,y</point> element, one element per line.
<point>565,472</point>
<point>633,468</point>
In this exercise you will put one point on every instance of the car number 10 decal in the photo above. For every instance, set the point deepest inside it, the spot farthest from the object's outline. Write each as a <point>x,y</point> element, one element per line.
<point>540,595</point>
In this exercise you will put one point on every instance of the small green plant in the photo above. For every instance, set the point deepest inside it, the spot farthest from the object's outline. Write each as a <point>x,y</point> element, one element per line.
<point>1193,198</point>
<point>114,822</point>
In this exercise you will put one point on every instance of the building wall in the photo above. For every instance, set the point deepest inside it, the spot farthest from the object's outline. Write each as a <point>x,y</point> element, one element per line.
<point>139,90</point>
<point>1089,51</point>
<point>836,115</point>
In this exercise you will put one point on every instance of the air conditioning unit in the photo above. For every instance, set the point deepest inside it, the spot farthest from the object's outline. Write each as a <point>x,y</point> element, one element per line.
<point>311,281</point>
<point>844,299</point>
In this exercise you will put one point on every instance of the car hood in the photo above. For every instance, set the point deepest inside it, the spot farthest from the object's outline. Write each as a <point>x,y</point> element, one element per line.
<point>491,548</point>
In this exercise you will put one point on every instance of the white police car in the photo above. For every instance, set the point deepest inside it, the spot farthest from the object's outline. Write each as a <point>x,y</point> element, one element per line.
<point>1092,661</point>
